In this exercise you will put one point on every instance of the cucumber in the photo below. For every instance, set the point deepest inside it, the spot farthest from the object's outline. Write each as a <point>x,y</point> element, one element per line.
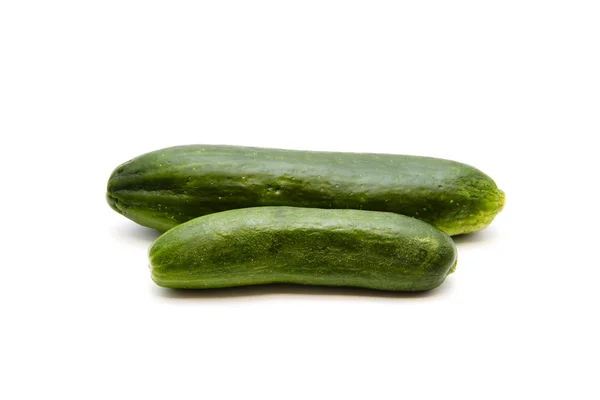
<point>167,187</point>
<point>309,246</point>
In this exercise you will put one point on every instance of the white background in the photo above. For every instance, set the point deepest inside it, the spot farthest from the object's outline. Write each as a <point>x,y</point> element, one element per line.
<point>511,87</point>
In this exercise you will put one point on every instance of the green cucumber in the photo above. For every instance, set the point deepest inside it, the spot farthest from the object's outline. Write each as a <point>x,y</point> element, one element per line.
<point>167,187</point>
<point>309,246</point>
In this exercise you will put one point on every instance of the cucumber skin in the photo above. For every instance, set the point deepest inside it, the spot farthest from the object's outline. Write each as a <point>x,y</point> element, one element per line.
<point>309,246</point>
<point>167,187</point>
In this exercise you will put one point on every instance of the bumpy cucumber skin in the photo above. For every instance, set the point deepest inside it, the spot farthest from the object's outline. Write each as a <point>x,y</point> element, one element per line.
<point>167,187</point>
<point>310,246</point>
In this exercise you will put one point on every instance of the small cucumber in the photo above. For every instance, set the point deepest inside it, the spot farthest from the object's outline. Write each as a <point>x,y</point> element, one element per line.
<point>167,187</point>
<point>309,246</point>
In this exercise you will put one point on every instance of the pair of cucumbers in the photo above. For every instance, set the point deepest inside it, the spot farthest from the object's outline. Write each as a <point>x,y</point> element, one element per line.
<point>237,216</point>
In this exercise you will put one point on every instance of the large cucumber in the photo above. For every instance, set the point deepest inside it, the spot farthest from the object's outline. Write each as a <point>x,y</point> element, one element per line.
<point>167,187</point>
<point>261,245</point>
